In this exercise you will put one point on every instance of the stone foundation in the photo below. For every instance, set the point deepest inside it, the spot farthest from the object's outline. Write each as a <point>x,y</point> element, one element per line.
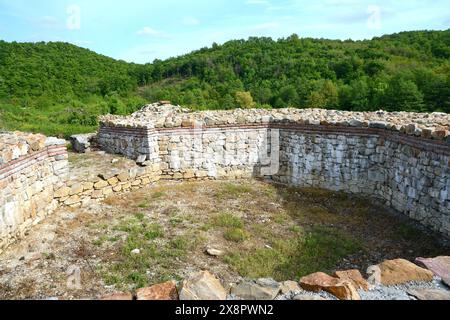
<point>408,176</point>
<point>406,166</point>
<point>32,167</point>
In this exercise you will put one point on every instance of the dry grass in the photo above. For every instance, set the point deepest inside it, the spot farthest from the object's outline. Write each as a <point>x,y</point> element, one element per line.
<point>265,230</point>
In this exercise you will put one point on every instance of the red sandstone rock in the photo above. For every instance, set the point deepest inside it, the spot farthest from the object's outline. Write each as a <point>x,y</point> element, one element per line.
<point>440,266</point>
<point>355,277</point>
<point>163,291</point>
<point>400,271</point>
<point>342,289</point>
<point>118,296</point>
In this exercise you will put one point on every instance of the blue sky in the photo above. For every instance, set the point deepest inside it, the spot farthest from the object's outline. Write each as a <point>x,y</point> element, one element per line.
<point>142,30</point>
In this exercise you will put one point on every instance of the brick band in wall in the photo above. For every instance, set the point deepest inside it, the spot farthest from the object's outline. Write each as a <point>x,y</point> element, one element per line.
<point>408,173</point>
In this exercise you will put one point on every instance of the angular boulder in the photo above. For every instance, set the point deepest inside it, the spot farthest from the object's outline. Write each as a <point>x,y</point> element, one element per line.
<point>262,289</point>
<point>141,159</point>
<point>440,266</point>
<point>81,143</point>
<point>202,286</point>
<point>118,296</point>
<point>342,289</point>
<point>430,294</point>
<point>400,271</point>
<point>290,286</point>
<point>355,277</point>
<point>164,291</point>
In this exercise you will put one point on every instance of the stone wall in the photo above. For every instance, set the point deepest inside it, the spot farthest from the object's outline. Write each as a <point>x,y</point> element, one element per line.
<point>406,166</point>
<point>75,193</point>
<point>409,177</point>
<point>400,158</point>
<point>30,168</point>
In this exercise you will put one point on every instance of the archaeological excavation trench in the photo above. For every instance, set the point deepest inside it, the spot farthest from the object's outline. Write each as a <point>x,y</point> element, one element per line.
<point>399,160</point>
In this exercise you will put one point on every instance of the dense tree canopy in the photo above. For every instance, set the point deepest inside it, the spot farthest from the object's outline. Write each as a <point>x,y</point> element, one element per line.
<point>58,87</point>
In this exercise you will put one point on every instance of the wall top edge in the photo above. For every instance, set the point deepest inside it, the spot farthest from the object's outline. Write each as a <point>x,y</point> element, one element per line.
<point>15,146</point>
<point>160,117</point>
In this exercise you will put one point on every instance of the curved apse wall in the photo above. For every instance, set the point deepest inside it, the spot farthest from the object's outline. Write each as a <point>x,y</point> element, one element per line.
<point>408,172</point>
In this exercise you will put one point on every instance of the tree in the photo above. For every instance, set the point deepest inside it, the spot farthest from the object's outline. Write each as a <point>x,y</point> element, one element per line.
<point>244,100</point>
<point>326,96</point>
<point>355,96</point>
<point>403,95</point>
<point>316,100</point>
<point>289,95</point>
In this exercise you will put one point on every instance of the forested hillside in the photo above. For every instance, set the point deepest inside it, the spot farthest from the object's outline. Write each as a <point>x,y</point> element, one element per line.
<point>58,88</point>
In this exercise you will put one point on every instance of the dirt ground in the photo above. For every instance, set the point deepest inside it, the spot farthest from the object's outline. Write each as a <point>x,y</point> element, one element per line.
<point>162,232</point>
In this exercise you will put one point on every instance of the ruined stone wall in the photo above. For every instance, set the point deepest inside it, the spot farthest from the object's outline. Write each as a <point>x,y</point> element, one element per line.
<point>409,175</point>
<point>400,158</point>
<point>189,153</point>
<point>216,153</point>
<point>30,168</point>
<point>75,193</point>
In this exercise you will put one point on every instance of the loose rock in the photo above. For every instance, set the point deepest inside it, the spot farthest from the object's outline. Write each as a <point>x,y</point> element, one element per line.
<point>316,282</point>
<point>355,277</point>
<point>164,291</point>
<point>202,286</point>
<point>393,272</point>
<point>440,266</point>
<point>118,296</point>
<point>262,289</point>
<point>214,252</point>
<point>290,286</point>
<point>430,294</point>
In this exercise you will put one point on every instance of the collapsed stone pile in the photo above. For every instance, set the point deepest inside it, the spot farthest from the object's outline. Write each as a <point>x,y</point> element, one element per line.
<point>164,115</point>
<point>392,279</point>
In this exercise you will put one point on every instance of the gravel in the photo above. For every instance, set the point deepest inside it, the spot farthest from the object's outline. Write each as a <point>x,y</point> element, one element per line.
<point>400,292</point>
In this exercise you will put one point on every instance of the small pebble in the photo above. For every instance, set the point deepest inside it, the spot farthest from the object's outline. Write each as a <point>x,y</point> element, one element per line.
<point>136,251</point>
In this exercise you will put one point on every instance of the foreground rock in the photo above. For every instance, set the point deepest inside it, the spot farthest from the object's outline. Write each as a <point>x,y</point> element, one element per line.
<point>342,289</point>
<point>399,271</point>
<point>202,286</point>
<point>262,289</point>
<point>164,291</point>
<point>440,266</point>
<point>355,277</point>
<point>430,294</point>
<point>118,296</point>
<point>290,286</point>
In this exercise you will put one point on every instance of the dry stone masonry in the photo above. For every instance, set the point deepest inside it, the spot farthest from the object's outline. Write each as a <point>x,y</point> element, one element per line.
<point>31,166</point>
<point>401,158</point>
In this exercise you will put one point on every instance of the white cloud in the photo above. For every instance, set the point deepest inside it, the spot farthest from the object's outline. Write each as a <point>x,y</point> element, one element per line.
<point>150,32</point>
<point>191,21</point>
